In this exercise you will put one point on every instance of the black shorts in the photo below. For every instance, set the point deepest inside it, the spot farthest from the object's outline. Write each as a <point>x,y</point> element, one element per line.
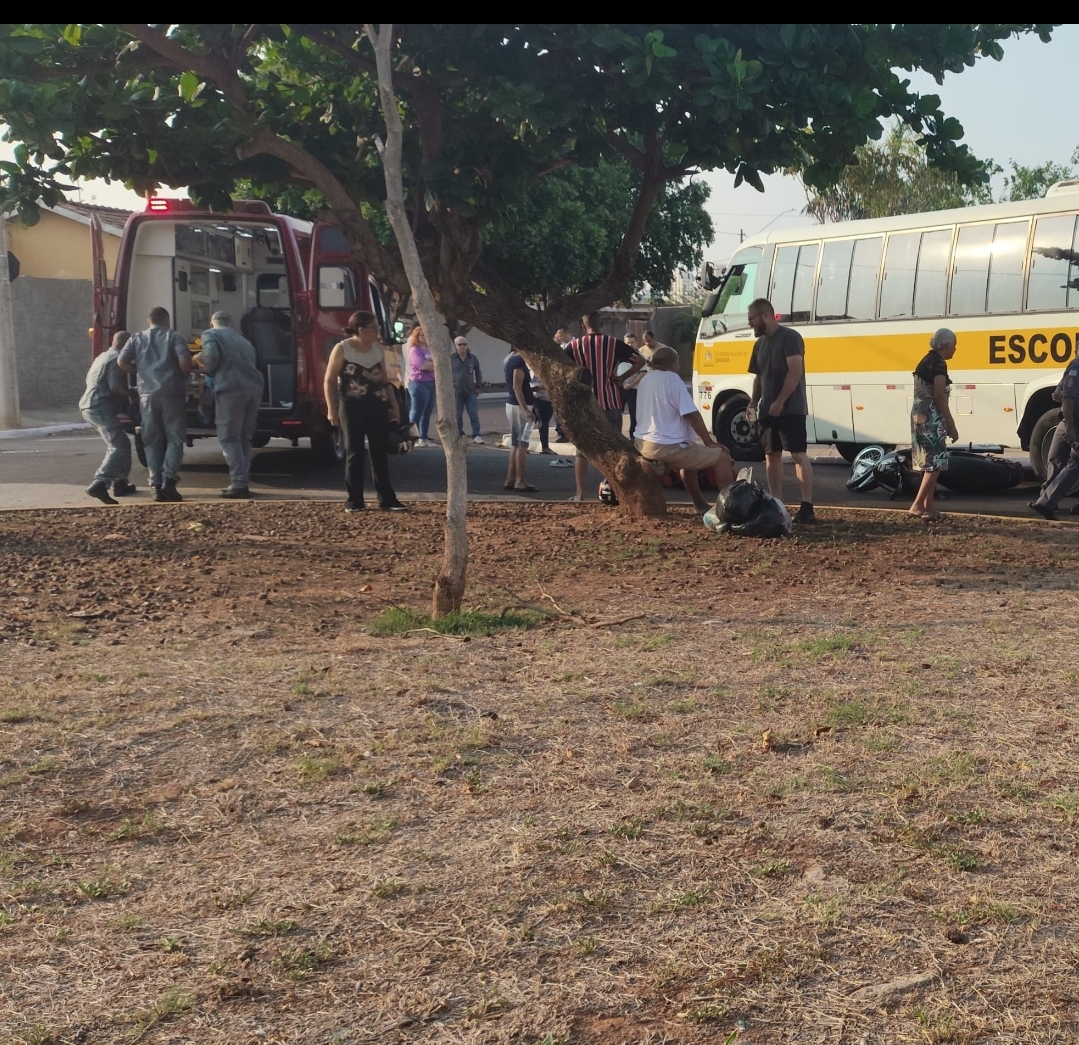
<point>786,432</point>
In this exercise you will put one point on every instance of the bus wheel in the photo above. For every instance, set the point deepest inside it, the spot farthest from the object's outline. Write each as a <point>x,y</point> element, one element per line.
<point>140,450</point>
<point>733,431</point>
<point>1041,438</point>
<point>849,451</point>
<point>329,448</point>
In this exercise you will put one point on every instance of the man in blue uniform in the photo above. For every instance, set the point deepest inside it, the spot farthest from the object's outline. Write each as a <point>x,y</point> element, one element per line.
<point>159,357</point>
<point>1063,473</point>
<point>105,384</point>
<point>229,358</point>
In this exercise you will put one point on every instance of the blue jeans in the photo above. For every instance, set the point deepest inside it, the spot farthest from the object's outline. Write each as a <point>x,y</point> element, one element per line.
<point>423,403</point>
<point>164,429</point>
<point>117,462</point>
<point>469,401</point>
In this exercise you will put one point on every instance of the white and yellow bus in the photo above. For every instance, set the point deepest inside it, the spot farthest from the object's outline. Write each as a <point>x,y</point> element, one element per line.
<point>867,295</point>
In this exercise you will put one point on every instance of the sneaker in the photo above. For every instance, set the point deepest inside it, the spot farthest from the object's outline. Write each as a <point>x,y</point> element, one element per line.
<point>100,490</point>
<point>352,506</point>
<point>1043,510</point>
<point>478,440</point>
<point>236,493</point>
<point>804,515</point>
<point>546,450</point>
<point>122,488</point>
<point>394,506</point>
<point>168,492</point>
<point>421,443</point>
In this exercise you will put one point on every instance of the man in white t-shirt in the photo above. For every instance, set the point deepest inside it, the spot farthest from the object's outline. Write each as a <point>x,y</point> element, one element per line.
<point>668,424</point>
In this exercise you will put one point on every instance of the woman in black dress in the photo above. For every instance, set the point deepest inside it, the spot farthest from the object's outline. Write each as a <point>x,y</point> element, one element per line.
<point>358,391</point>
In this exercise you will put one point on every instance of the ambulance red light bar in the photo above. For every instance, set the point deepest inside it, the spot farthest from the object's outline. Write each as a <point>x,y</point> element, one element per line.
<point>162,205</point>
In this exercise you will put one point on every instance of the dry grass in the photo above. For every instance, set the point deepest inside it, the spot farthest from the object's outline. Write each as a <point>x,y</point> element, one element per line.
<point>812,768</point>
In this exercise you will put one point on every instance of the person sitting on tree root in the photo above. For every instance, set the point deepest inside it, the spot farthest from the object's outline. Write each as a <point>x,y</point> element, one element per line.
<point>600,354</point>
<point>667,423</point>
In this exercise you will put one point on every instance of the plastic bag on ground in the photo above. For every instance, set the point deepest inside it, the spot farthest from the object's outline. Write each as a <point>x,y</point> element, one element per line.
<point>746,510</point>
<point>738,502</point>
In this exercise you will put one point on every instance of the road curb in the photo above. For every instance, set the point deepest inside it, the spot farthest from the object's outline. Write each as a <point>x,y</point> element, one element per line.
<point>31,433</point>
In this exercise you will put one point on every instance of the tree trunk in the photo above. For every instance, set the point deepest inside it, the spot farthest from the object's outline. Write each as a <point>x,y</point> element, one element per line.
<point>635,480</point>
<point>449,586</point>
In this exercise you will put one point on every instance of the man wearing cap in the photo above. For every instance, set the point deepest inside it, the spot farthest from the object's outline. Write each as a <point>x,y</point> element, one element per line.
<point>229,358</point>
<point>159,356</point>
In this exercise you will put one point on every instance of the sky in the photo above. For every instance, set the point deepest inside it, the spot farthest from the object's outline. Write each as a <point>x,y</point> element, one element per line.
<point>1016,108</point>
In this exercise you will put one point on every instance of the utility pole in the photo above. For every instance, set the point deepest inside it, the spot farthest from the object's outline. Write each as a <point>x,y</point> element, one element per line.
<point>9,374</point>
<point>741,235</point>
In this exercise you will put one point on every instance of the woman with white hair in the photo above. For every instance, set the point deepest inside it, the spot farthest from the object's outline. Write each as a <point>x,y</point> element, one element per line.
<point>931,422</point>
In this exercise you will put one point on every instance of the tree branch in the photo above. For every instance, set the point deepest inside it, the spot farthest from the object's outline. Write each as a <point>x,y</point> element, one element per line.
<point>177,56</point>
<point>620,273</point>
<point>344,208</point>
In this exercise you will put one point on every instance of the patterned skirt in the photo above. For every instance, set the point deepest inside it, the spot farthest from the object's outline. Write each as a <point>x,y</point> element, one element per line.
<point>928,437</point>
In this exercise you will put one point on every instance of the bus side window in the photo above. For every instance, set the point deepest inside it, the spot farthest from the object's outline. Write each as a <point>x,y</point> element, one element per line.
<point>834,279</point>
<point>792,282</point>
<point>1006,267</point>
<point>783,280</point>
<point>970,277</point>
<point>804,279</point>
<point>864,273</point>
<point>1054,272</point>
<point>900,260</point>
<point>931,286</point>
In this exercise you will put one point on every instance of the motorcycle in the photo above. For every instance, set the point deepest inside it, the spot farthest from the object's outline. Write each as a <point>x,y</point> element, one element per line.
<point>972,470</point>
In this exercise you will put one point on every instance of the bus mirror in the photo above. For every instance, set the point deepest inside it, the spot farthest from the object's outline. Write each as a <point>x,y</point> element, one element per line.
<point>709,305</point>
<point>706,278</point>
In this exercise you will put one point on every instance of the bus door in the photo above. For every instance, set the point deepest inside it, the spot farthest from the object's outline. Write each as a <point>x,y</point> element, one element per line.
<point>104,291</point>
<point>832,416</point>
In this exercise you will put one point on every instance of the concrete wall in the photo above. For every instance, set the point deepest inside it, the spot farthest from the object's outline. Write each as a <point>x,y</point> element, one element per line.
<point>58,247</point>
<point>52,344</point>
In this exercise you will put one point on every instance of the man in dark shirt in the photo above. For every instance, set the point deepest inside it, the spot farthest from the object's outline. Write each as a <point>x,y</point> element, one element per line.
<point>521,416</point>
<point>467,379</point>
<point>600,354</point>
<point>779,397</point>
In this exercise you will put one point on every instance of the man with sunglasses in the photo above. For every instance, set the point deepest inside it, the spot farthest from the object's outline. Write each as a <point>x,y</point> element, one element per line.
<point>779,397</point>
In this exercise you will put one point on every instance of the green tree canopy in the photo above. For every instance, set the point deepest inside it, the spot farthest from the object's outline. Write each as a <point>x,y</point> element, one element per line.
<point>561,237</point>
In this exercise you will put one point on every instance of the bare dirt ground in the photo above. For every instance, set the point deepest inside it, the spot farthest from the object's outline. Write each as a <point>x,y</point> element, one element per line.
<point>822,789</point>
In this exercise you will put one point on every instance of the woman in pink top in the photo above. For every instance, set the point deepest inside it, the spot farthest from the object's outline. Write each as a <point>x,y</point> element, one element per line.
<point>421,382</point>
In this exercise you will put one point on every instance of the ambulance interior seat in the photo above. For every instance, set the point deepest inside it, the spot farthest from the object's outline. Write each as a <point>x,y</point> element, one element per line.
<point>270,331</point>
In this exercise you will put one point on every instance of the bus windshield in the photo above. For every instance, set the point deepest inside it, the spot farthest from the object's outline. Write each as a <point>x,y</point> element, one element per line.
<point>736,292</point>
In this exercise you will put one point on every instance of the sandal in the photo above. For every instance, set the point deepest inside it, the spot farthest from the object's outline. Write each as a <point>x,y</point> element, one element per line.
<point>524,489</point>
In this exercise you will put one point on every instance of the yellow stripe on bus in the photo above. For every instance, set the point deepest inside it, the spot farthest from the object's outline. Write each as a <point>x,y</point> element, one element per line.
<point>1047,349</point>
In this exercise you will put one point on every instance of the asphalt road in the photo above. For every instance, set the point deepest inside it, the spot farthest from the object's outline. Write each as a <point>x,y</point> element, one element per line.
<point>52,472</point>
